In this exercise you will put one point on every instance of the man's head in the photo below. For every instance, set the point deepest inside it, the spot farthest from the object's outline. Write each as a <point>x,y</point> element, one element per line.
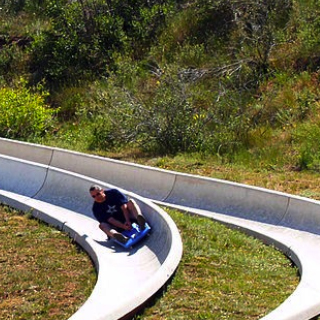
<point>97,193</point>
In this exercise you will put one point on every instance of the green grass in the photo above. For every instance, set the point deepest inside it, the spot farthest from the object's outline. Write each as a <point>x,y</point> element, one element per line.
<point>224,274</point>
<point>43,274</point>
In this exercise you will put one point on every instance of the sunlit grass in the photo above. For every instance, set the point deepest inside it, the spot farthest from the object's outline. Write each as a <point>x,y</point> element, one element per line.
<point>224,274</point>
<point>43,274</point>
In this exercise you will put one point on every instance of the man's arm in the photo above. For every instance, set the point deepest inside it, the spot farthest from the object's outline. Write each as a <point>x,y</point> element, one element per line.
<point>117,223</point>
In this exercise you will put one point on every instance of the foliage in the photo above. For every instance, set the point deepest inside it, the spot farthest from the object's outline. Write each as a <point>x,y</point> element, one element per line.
<point>307,138</point>
<point>169,122</point>
<point>24,114</point>
<point>11,6</point>
<point>80,44</point>
<point>143,21</point>
<point>217,77</point>
<point>12,63</point>
<point>307,23</point>
<point>85,36</point>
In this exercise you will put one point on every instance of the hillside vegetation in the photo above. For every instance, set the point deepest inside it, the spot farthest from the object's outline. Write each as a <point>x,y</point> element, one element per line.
<point>233,80</point>
<point>200,86</point>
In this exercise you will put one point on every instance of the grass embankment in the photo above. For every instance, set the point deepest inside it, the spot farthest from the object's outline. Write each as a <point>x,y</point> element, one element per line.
<point>43,275</point>
<point>224,274</point>
<point>274,177</point>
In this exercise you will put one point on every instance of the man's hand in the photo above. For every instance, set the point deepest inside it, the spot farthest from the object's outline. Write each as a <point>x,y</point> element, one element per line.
<point>116,223</point>
<point>127,225</point>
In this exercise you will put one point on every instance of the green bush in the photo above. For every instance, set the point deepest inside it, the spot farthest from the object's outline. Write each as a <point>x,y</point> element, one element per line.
<point>171,123</point>
<point>307,23</point>
<point>12,63</point>
<point>80,44</point>
<point>85,37</point>
<point>105,134</point>
<point>166,123</point>
<point>179,116</point>
<point>306,138</point>
<point>24,114</point>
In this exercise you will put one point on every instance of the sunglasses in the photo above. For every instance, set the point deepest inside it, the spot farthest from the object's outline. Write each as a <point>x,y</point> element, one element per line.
<point>97,194</point>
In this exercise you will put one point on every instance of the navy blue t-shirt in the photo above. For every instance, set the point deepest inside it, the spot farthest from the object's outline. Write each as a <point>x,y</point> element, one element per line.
<point>111,207</point>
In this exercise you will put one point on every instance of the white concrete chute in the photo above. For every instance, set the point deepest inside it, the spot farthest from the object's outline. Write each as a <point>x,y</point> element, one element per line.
<point>303,214</point>
<point>288,222</point>
<point>67,190</point>
<point>70,191</point>
<point>228,198</point>
<point>132,177</point>
<point>21,176</point>
<point>26,151</point>
<point>61,198</point>
<point>146,181</point>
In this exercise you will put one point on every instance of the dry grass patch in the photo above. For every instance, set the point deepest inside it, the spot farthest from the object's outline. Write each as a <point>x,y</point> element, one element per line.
<point>43,274</point>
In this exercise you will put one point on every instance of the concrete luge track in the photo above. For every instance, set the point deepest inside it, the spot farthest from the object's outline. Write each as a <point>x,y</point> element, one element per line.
<point>126,278</point>
<point>291,223</point>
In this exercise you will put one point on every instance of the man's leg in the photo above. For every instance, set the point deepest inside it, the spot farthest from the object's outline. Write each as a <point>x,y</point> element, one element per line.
<point>135,212</point>
<point>112,233</point>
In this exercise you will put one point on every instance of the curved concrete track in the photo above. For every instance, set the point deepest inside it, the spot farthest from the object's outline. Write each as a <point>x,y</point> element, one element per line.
<point>290,223</point>
<point>126,278</point>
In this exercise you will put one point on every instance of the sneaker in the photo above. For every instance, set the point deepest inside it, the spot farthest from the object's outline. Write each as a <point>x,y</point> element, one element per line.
<point>120,237</point>
<point>141,221</point>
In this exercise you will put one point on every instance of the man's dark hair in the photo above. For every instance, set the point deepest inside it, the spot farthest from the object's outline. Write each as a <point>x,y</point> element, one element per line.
<point>95,187</point>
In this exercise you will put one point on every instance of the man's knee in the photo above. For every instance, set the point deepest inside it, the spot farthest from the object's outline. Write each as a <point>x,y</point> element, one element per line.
<point>131,203</point>
<point>133,208</point>
<point>104,226</point>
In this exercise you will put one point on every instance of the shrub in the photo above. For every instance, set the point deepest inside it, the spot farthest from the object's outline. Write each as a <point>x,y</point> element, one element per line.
<point>80,45</point>
<point>105,134</point>
<point>12,62</point>
<point>24,114</point>
<point>307,138</point>
<point>167,122</point>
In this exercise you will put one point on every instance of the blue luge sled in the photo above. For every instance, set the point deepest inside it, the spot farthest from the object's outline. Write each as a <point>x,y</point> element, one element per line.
<point>134,235</point>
